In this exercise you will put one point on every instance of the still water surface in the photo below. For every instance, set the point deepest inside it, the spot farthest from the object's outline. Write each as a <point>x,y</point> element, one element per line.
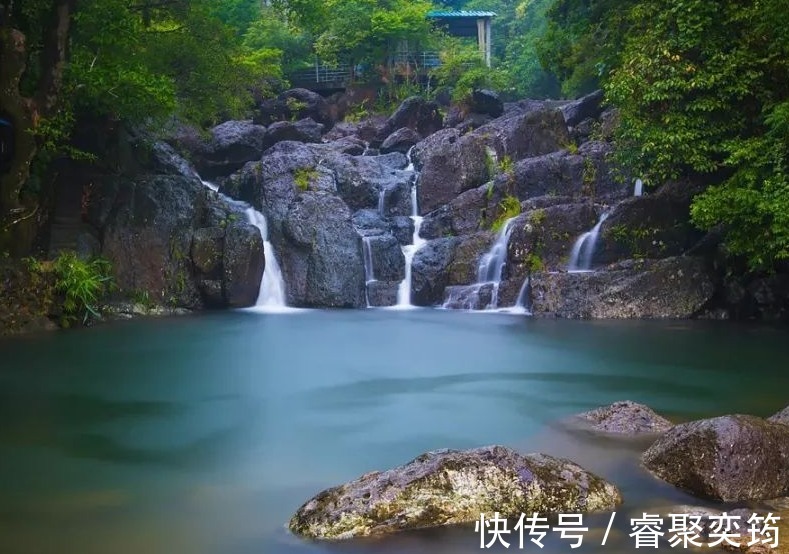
<point>202,435</point>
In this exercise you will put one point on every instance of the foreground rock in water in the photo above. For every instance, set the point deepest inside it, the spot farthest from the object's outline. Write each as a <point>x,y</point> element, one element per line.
<point>671,288</point>
<point>627,418</point>
<point>730,458</point>
<point>781,417</point>
<point>450,486</point>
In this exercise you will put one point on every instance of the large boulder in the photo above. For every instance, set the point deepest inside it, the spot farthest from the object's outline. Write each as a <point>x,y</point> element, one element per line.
<point>388,262</point>
<point>730,458</point>
<point>232,144</point>
<point>486,102</point>
<point>652,226</point>
<point>527,134</point>
<point>178,243</point>
<point>449,487</point>
<point>586,107</point>
<point>676,288</point>
<point>303,130</point>
<point>780,417</point>
<point>321,253</point>
<point>400,141</point>
<point>417,114</point>
<point>625,418</point>
<point>294,104</point>
<point>429,275</point>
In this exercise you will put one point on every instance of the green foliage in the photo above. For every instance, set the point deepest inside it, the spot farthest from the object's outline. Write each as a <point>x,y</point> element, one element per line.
<point>506,165</point>
<point>304,176</point>
<point>509,207</point>
<point>534,262</point>
<point>537,217</point>
<point>357,113</point>
<point>82,283</point>
<point>463,69</point>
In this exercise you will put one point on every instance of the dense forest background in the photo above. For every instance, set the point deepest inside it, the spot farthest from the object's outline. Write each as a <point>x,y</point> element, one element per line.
<point>700,85</point>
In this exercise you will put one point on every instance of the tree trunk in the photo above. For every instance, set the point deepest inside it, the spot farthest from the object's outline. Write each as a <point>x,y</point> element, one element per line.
<point>26,113</point>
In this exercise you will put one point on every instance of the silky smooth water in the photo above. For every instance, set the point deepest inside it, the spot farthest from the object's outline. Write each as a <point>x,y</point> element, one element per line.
<point>202,435</point>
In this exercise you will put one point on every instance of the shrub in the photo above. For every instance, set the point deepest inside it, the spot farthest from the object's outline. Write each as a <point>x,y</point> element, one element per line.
<point>83,283</point>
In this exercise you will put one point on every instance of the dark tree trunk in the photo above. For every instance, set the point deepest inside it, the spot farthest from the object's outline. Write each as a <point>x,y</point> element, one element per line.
<point>26,113</point>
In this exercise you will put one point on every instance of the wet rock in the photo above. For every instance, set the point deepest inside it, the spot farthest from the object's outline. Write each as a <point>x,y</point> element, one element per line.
<point>526,135</point>
<point>652,226</point>
<point>730,458</point>
<point>463,268</point>
<point>449,487</point>
<point>780,417</point>
<point>243,264</point>
<point>167,161</point>
<point>321,255</point>
<point>486,102</point>
<point>468,297</point>
<point>400,141</point>
<point>303,130</point>
<point>586,107</point>
<point>671,288</point>
<point>232,144</point>
<point>403,229</point>
<point>382,293</point>
<point>429,275</point>
<point>387,257</point>
<point>627,418</point>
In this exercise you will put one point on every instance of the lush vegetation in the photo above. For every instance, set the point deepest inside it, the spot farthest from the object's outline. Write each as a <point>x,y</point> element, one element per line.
<point>701,85</point>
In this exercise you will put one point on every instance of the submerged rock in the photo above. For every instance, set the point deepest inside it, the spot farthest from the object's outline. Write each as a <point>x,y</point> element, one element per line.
<point>449,486</point>
<point>731,458</point>
<point>627,418</point>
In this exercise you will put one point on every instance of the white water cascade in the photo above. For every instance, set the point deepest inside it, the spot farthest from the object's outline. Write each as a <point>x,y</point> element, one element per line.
<point>489,274</point>
<point>272,286</point>
<point>638,190</point>
<point>271,293</point>
<point>409,250</point>
<point>369,271</point>
<point>583,249</point>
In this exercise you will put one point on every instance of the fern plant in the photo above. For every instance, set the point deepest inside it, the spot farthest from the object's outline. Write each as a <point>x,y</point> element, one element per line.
<point>82,283</point>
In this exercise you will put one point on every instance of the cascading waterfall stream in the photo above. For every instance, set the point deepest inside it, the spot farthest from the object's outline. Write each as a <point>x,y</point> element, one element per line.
<point>272,285</point>
<point>489,273</point>
<point>369,271</point>
<point>271,294</point>
<point>583,249</point>
<point>410,250</point>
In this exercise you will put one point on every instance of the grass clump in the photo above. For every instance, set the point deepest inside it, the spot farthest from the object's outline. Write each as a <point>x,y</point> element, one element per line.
<point>82,283</point>
<point>510,207</point>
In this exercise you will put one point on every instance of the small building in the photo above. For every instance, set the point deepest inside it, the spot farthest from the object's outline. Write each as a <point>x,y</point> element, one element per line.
<point>467,23</point>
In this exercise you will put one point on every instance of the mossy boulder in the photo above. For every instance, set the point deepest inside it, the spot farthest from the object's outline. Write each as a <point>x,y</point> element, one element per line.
<point>626,418</point>
<point>450,486</point>
<point>730,458</point>
<point>781,417</point>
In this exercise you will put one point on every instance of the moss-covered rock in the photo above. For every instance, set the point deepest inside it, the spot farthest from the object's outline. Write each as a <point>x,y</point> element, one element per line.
<point>730,458</point>
<point>626,418</point>
<point>450,486</point>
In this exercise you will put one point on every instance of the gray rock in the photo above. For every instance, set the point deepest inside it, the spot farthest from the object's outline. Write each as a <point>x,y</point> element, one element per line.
<point>626,418</point>
<point>243,264</point>
<point>780,417</point>
<point>232,144</point>
<point>400,141</point>
<point>417,114</point>
<point>382,293</point>
<point>429,275</point>
<point>526,135</point>
<point>675,288</point>
<point>730,458</point>
<point>295,104</point>
<point>449,487</point>
<point>387,257</point>
<point>586,107</point>
<point>321,255</point>
<point>486,102</point>
<point>303,130</point>
<point>468,297</point>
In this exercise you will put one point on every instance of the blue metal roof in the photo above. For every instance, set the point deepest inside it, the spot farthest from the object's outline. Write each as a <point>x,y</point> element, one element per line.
<point>462,13</point>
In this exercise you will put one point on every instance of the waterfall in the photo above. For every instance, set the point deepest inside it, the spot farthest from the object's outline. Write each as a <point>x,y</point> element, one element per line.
<point>271,294</point>
<point>382,202</point>
<point>369,272</point>
<point>583,249</point>
<point>522,304</point>
<point>489,274</point>
<point>639,188</point>
<point>409,250</point>
<point>272,285</point>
